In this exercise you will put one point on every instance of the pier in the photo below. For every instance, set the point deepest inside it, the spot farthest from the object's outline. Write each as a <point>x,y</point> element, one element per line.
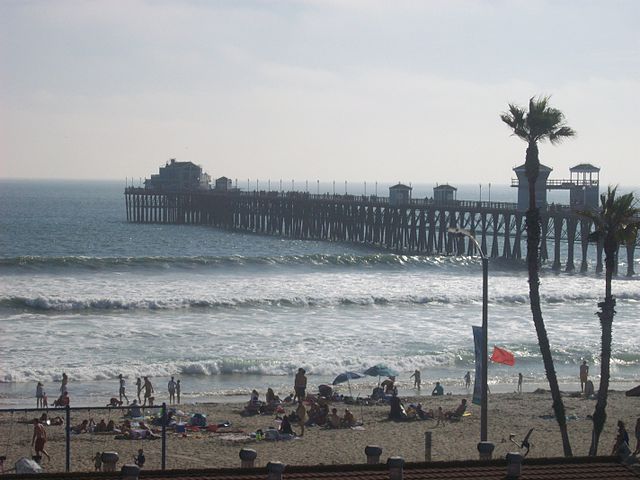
<point>413,227</point>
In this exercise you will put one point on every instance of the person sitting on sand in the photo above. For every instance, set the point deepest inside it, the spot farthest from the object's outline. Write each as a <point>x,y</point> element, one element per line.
<point>348,420</point>
<point>334,419</point>
<point>62,401</point>
<point>437,390</point>
<point>134,410</point>
<point>101,426</point>
<point>271,397</point>
<point>114,402</point>
<point>81,428</point>
<point>458,412</point>
<point>285,426</point>
<point>397,411</point>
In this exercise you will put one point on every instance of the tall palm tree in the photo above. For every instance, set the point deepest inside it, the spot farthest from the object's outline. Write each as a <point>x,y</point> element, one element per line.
<point>616,223</point>
<point>540,123</point>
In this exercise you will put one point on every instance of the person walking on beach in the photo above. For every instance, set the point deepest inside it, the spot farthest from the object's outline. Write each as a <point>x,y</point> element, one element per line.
<point>63,383</point>
<point>467,380</point>
<point>416,379</point>
<point>122,388</point>
<point>584,374</point>
<point>300,385</point>
<point>520,382</point>
<point>39,439</point>
<point>39,395</point>
<point>148,392</point>
<point>139,388</point>
<point>178,391</point>
<point>171,386</point>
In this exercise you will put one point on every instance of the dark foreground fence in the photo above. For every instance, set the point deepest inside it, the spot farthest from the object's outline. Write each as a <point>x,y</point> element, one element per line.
<point>16,426</point>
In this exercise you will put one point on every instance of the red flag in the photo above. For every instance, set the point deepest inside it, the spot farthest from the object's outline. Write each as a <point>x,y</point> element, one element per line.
<point>500,355</point>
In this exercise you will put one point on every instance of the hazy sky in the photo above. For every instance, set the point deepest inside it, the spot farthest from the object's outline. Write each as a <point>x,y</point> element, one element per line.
<point>328,89</point>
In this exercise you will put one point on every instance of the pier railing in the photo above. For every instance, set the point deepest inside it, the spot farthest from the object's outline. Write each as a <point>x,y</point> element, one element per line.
<point>417,226</point>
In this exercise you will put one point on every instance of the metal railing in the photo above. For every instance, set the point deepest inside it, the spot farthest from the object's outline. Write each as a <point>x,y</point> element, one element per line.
<point>68,428</point>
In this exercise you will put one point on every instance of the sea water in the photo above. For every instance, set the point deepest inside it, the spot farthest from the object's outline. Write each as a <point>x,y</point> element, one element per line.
<point>84,292</point>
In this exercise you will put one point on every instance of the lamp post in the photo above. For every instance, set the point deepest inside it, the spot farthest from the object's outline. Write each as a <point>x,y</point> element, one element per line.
<point>485,329</point>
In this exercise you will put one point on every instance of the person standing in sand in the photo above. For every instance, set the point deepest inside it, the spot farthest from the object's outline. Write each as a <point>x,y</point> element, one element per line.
<point>63,383</point>
<point>122,389</point>
<point>39,438</point>
<point>520,382</point>
<point>39,395</point>
<point>300,385</point>
<point>171,386</point>
<point>139,388</point>
<point>584,374</point>
<point>416,379</point>
<point>148,392</point>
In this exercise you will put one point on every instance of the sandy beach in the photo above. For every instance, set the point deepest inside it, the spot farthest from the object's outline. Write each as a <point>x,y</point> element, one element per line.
<point>509,413</point>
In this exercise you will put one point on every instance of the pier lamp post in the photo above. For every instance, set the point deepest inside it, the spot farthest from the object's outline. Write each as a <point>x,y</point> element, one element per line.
<point>485,329</point>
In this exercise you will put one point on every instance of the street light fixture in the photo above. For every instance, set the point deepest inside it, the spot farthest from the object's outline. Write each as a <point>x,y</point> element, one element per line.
<point>485,329</point>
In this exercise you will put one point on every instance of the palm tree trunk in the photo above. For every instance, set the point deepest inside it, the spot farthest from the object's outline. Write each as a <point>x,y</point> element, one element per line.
<point>532,167</point>
<point>606,314</point>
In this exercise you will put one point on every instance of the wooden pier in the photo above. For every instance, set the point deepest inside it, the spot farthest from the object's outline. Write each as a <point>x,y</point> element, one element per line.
<point>417,227</point>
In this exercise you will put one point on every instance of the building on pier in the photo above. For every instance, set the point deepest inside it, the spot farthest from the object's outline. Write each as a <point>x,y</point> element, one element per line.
<point>400,194</point>
<point>179,177</point>
<point>444,193</point>
<point>583,185</point>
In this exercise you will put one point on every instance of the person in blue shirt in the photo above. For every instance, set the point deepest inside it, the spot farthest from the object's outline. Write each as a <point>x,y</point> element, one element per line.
<point>438,390</point>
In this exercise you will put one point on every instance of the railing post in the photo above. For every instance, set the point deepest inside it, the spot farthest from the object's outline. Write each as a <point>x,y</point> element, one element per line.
<point>68,438</point>
<point>164,436</point>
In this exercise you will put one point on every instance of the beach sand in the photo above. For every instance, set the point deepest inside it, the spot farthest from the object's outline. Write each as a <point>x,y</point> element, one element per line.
<point>508,413</point>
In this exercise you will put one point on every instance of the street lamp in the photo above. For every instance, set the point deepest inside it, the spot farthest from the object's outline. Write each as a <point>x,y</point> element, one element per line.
<point>485,329</point>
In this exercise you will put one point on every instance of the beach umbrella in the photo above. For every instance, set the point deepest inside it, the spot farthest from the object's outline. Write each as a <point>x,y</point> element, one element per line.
<point>345,377</point>
<point>380,370</point>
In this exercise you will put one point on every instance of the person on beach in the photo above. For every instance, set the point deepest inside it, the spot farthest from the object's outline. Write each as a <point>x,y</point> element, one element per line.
<point>39,439</point>
<point>39,394</point>
<point>584,374</point>
<point>178,391</point>
<point>458,412</point>
<point>467,380</point>
<point>301,413</point>
<point>171,386</point>
<point>122,388</point>
<point>148,392</point>
<point>300,385</point>
<point>520,382</point>
<point>416,379</point>
<point>622,438</point>
<point>63,383</point>
<point>438,390</point>
<point>139,388</point>
<point>139,460</point>
<point>97,462</point>
<point>637,451</point>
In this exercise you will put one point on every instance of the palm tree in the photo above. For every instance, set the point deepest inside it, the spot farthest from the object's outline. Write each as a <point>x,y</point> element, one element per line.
<point>615,223</point>
<point>541,122</point>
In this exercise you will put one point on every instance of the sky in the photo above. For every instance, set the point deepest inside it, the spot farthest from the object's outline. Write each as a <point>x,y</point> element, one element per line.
<point>338,90</point>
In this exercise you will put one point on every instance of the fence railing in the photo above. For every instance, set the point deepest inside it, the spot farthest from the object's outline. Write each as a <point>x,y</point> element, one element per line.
<point>68,427</point>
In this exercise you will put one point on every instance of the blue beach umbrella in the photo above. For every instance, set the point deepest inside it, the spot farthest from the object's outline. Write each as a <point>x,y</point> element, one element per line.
<point>345,377</point>
<point>380,370</point>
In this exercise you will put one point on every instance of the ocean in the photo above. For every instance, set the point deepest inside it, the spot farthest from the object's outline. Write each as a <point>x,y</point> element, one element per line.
<point>84,292</point>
